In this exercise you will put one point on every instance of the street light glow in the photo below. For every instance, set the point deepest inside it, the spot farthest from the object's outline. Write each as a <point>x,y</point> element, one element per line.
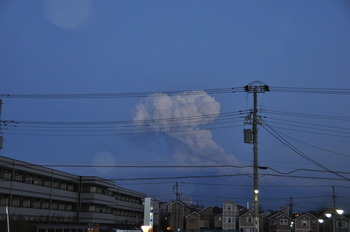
<point>340,211</point>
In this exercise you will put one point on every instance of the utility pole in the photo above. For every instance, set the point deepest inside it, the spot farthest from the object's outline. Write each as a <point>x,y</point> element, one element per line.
<point>334,197</point>
<point>1,138</point>
<point>251,136</point>
<point>177,205</point>
<point>177,191</point>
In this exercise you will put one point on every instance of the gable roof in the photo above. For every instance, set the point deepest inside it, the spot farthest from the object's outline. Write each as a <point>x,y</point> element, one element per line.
<point>249,213</point>
<point>307,214</point>
<point>179,202</point>
<point>196,213</point>
<point>278,215</point>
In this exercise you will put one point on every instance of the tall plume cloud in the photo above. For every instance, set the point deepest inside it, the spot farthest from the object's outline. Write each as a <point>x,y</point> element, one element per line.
<point>180,117</point>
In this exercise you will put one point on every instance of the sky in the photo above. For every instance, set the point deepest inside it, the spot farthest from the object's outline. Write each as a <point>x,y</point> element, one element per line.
<point>124,89</point>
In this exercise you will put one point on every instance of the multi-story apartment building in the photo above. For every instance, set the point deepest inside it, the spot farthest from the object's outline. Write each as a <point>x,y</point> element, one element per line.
<point>47,196</point>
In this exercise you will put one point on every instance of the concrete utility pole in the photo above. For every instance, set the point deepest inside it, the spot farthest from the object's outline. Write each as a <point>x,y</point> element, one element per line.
<point>251,136</point>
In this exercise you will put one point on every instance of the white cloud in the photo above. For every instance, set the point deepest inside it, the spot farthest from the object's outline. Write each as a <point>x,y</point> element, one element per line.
<point>180,117</point>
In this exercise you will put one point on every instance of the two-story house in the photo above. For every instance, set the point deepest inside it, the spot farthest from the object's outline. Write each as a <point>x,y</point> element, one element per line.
<point>177,211</point>
<point>230,215</point>
<point>334,222</point>
<point>279,222</point>
<point>306,223</point>
<point>246,222</point>
<point>204,219</point>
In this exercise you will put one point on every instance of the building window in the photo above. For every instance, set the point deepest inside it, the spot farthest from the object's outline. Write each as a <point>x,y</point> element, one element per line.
<point>26,203</point>
<point>6,175</point>
<point>37,204</point>
<point>45,205</point>
<point>54,205</point>
<point>47,183</point>
<point>18,177</point>
<point>283,221</point>
<point>16,202</point>
<point>249,219</point>
<point>28,179</point>
<point>229,220</point>
<point>4,200</point>
<point>304,222</point>
<point>342,224</point>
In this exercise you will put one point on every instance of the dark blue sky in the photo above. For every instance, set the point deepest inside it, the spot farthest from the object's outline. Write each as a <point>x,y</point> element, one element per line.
<point>88,47</point>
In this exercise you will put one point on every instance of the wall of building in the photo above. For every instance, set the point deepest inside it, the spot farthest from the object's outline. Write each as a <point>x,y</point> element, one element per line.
<point>41,194</point>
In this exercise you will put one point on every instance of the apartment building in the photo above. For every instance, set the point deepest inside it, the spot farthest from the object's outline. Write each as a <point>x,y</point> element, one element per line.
<point>47,196</point>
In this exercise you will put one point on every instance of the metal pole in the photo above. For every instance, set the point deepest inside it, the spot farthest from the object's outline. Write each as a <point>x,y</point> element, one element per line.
<point>255,164</point>
<point>8,218</point>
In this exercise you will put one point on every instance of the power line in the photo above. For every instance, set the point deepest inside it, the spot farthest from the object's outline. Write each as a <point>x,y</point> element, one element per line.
<point>333,91</point>
<point>137,127</point>
<point>305,115</point>
<point>123,95</point>
<point>317,147</point>
<point>337,91</point>
<point>177,177</point>
<point>280,138</point>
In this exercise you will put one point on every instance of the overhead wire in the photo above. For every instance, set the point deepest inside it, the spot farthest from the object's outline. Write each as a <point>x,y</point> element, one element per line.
<point>310,90</point>
<point>131,127</point>
<point>306,115</point>
<point>280,138</point>
<point>317,147</point>
<point>123,95</point>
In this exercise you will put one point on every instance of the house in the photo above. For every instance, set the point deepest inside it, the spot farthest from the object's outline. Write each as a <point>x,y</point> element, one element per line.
<point>230,215</point>
<point>194,221</point>
<point>204,219</point>
<point>218,222</point>
<point>279,222</point>
<point>208,214</point>
<point>177,211</point>
<point>246,222</point>
<point>334,222</point>
<point>306,223</point>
